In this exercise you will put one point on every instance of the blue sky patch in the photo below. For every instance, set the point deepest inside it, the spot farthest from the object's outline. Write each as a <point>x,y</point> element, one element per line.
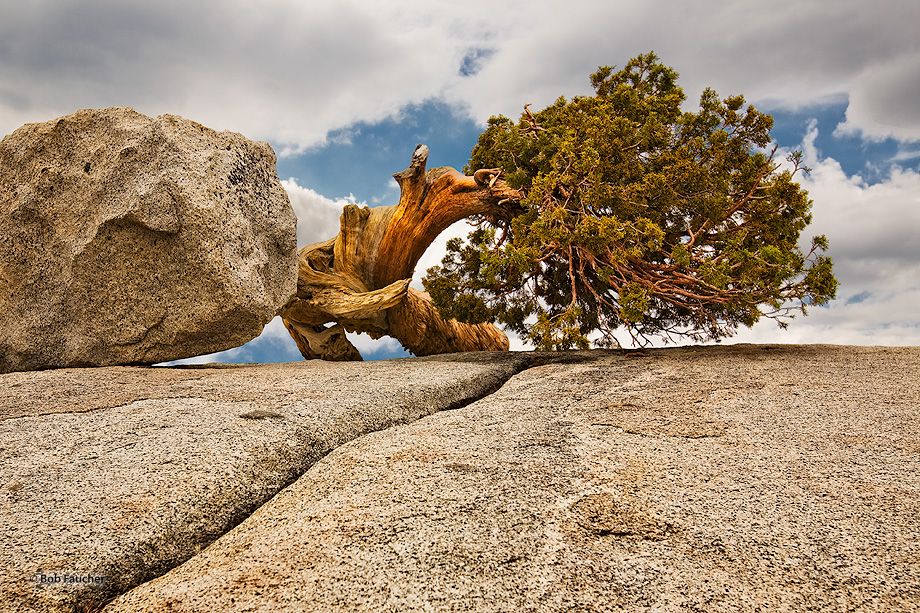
<point>361,159</point>
<point>860,297</point>
<point>870,160</point>
<point>474,60</point>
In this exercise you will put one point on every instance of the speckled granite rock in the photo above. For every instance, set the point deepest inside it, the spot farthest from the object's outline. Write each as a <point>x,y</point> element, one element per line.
<point>749,478</point>
<point>112,476</point>
<point>131,240</point>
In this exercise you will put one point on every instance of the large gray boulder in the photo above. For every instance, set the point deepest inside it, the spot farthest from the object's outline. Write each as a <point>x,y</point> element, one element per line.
<point>126,239</point>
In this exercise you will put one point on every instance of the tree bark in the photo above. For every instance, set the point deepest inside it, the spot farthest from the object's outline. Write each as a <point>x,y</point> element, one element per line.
<point>359,280</point>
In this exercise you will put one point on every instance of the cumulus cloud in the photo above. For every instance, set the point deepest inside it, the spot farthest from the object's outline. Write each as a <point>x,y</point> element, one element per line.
<point>280,70</point>
<point>874,236</point>
<point>791,53</point>
<point>317,215</point>
<point>874,229</point>
<point>371,349</point>
<point>436,252</point>
<point>883,101</point>
<point>289,72</point>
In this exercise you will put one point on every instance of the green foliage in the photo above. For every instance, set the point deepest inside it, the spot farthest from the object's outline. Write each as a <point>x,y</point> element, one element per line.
<point>637,215</point>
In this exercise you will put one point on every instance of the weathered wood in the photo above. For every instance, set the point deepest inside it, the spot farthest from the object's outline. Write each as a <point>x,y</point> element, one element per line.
<point>360,280</point>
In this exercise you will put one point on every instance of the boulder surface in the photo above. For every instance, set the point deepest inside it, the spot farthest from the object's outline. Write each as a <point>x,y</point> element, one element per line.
<point>703,479</point>
<point>129,240</point>
<point>112,476</point>
<point>738,478</point>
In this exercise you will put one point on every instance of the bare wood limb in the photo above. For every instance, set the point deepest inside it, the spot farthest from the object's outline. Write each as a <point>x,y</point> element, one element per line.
<point>318,342</point>
<point>419,327</point>
<point>360,279</point>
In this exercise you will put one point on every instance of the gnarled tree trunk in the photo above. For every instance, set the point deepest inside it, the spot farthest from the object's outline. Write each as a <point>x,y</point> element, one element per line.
<point>359,280</point>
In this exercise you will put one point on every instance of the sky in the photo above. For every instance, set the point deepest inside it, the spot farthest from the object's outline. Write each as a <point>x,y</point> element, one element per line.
<point>344,90</point>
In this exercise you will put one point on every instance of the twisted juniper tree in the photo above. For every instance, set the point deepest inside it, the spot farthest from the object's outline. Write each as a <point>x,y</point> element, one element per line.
<point>636,215</point>
<point>358,281</point>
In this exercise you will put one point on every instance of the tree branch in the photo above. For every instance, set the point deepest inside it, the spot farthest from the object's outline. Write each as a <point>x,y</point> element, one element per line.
<point>360,279</point>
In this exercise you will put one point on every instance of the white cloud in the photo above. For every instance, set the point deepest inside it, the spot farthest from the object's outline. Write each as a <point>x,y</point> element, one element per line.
<point>275,330</point>
<point>317,215</point>
<point>289,71</point>
<point>370,348</point>
<point>874,236</point>
<point>874,230</point>
<point>281,70</point>
<point>883,102</point>
<point>888,319</point>
<point>792,53</point>
<point>436,252</point>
